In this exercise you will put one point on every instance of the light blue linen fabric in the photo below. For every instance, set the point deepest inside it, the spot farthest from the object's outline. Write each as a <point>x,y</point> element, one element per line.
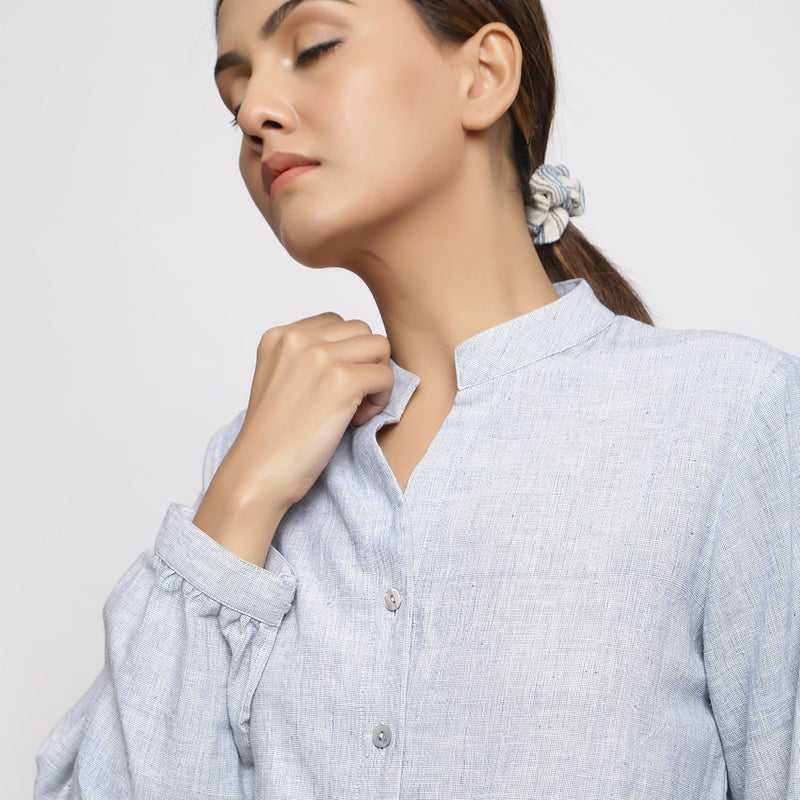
<point>597,566</point>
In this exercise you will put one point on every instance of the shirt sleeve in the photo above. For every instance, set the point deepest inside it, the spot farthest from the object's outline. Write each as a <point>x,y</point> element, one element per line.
<point>752,622</point>
<point>189,630</point>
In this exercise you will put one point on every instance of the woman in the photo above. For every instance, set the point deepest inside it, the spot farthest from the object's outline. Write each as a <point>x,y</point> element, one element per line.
<point>525,546</point>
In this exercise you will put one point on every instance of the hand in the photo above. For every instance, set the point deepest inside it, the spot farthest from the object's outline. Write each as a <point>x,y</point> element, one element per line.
<point>312,379</point>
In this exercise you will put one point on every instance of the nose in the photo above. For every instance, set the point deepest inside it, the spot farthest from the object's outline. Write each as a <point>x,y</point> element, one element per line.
<point>263,109</point>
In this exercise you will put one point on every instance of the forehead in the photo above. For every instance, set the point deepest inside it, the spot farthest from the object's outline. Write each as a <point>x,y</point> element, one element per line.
<point>233,15</point>
<point>273,11</point>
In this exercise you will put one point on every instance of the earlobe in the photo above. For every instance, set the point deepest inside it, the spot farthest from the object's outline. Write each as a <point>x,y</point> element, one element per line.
<point>493,62</point>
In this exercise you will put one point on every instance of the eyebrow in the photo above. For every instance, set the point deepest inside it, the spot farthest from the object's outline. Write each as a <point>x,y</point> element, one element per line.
<point>268,30</point>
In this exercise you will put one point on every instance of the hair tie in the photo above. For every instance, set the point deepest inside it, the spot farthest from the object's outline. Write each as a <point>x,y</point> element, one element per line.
<point>556,198</point>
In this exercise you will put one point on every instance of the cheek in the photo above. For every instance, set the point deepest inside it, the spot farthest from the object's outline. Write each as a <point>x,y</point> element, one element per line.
<point>403,116</point>
<point>376,114</point>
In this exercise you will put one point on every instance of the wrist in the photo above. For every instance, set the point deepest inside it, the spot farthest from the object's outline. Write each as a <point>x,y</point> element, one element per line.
<point>238,523</point>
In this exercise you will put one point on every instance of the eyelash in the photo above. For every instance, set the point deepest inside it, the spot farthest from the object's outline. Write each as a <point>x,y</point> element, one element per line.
<point>303,58</point>
<point>313,52</point>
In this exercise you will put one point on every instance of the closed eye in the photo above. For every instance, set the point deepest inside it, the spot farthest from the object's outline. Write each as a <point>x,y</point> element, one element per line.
<point>317,50</point>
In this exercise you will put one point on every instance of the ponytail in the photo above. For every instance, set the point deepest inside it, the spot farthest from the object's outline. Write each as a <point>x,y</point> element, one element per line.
<point>574,256</point>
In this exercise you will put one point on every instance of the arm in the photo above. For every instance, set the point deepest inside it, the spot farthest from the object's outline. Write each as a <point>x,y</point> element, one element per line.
<point>189,630</point>
<point>752,622</point>
<point>190,627</point>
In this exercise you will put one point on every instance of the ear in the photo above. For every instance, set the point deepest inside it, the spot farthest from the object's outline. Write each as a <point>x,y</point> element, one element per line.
<point>492,69</point>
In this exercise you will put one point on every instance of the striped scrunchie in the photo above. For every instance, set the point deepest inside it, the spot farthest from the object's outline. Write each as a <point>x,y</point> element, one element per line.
<point>556,198</point>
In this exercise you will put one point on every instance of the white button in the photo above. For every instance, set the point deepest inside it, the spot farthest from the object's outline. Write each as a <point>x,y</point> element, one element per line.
<point>392,599</point>
<point>382,736</point>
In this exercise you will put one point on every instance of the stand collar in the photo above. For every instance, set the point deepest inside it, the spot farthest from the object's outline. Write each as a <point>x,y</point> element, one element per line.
<point>577,315</point>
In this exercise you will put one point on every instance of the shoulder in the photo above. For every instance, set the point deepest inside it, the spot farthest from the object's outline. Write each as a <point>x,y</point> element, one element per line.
<point>703,385</point>
<point>695,346</point>
<point>699,361</point>
<point>647,355</point>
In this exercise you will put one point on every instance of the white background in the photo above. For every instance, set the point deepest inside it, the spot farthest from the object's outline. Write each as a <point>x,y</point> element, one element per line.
<point>135,278</point>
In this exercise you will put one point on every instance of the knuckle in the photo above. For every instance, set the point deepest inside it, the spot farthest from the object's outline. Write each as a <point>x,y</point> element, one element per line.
<point>267,341</point>
<point>385,347</point>
<point>340,375</point>
<point>317,356</point>
<point>337,379</point>
<point>387,376</point>
<point>293,340</point>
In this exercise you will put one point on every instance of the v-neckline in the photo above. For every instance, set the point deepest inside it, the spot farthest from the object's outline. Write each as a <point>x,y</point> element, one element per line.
<point>397,442</point>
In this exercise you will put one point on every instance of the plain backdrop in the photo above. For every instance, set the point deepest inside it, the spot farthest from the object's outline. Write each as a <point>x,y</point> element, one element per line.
<point>136,279</point>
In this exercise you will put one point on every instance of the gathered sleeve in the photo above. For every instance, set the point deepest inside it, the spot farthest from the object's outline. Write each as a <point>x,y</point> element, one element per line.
<point>751,631</point>
<point>189,630</point>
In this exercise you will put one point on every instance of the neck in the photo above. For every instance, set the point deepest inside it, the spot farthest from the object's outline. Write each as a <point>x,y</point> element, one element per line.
<point>455,267</point>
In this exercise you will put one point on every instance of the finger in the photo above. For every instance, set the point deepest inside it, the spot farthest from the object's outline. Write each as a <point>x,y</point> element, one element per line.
<point>316,321</point>
<point>344,329</point>
<point>367,349</point>
<point>329,324</point>
<point>376,382</point>
<point>297,338</point>
<point>366,411</point>
<point>292,341</point>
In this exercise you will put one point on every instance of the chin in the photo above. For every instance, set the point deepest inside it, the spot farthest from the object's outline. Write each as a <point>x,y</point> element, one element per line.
<point>307,248</point>
<point>318,242</point>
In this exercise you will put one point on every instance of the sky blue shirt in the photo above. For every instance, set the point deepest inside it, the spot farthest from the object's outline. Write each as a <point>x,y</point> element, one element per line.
<point>590,589</point>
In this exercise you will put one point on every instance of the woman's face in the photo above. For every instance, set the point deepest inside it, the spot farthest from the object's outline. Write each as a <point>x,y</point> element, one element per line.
<point>357,86</point>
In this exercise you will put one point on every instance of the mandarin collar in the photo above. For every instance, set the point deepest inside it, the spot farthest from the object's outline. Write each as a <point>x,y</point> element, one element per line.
<point>575,316</point>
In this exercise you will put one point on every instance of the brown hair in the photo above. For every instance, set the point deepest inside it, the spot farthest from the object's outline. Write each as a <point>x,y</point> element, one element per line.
<point>573,255</point>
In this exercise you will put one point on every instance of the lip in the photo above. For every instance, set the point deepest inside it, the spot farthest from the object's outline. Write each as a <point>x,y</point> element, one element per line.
<point>280,168</point>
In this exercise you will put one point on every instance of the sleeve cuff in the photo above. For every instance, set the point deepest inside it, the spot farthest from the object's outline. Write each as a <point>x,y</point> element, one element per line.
<point>263,594</point>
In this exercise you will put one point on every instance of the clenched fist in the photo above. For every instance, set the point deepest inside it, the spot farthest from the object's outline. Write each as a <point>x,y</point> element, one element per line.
<point>313,378</point>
